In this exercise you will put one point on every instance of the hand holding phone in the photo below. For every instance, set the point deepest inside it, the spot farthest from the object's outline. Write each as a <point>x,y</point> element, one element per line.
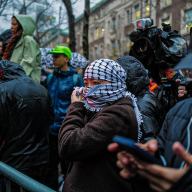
<point>131,147</point>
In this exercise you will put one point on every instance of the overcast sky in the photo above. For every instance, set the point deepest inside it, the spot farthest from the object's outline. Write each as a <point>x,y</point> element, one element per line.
<point>78,10</point>
<point>79,7</point>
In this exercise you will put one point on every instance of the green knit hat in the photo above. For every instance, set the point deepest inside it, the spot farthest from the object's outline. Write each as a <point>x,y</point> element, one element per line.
<point>59,49</point>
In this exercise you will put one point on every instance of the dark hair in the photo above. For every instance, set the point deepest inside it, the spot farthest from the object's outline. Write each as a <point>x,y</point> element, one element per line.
<point>12,42</point>
<point>137,76</point>
<point>4,37</point>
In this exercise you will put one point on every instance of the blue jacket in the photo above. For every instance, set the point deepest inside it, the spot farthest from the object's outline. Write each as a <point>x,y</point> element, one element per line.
<point>60,88</point>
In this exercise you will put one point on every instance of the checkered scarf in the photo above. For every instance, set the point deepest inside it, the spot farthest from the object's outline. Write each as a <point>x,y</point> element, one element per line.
<point>78,60</point>
<point>46,58</point>
<point>99,96</point>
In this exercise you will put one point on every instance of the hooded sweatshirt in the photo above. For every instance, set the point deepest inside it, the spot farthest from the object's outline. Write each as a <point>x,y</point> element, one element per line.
<point>26,52</point>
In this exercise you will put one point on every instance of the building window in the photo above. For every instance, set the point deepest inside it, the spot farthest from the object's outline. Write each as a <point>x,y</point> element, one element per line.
<point>165,3</point>
<point>97,33</point>
<point>136,12</point>
<point>113,45</point>
<point>147,8</point>
<point>188,19</point>
<point>92,35</point>
<point>129,17</point>
<point>109,24</point>
<point>113,24</point>
<point>97,52</point>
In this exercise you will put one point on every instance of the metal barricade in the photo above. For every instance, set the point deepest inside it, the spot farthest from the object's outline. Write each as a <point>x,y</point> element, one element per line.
<point>10,175</point>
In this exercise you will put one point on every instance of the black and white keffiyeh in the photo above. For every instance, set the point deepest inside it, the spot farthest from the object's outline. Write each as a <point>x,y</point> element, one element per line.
<point>99,96</point>
<point>78,60</point>
<point>46,58</point>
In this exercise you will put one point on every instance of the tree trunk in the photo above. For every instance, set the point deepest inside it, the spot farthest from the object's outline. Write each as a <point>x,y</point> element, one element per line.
<point>190,41</point>
<point>71,23</point>
<point>23,9</point>
<point>86,29</point>
<point>158,12</point>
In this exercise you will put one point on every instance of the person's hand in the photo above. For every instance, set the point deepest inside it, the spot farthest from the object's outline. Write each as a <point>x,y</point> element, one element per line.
<point>162,178</point>
<point>180,151</point>
<point>126,162</point>
<point>76,96</point>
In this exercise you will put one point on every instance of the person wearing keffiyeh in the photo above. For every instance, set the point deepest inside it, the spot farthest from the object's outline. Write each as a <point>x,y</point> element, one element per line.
<point>99,111</point>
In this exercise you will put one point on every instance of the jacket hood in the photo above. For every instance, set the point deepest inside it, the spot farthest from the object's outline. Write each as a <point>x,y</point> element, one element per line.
<point>137,76</point>
<point>10,71</point>
<point>27,23</point>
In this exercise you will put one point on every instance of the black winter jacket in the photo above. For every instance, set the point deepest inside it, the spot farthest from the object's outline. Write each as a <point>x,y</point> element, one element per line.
<point>184,184</point>
<point>177,126</point>
<point>137,83</point>
<point>24,119</point>
<point>151,111</point>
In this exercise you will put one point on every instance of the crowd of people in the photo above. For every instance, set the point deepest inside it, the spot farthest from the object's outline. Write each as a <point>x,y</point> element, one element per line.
<point>59,113</point>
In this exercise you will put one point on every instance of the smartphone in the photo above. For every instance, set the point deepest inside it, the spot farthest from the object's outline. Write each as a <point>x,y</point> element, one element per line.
<point>130,146</point>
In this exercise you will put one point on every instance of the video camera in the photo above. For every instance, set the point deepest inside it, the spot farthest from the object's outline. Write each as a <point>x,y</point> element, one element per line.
<point>157,48</point>
<point>160,50</point>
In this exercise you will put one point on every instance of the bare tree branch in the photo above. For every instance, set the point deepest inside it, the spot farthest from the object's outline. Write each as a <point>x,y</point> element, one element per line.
<point>3,4</point>
<point>71,24</point>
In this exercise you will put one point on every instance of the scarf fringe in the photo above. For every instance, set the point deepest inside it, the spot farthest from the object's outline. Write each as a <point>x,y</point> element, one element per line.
<point>137,113</point>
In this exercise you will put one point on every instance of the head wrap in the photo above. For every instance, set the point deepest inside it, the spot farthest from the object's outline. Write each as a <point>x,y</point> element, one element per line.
<point>99,96</point>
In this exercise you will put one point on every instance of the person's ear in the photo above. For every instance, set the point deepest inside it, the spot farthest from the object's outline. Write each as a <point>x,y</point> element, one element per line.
<point>66,59</point>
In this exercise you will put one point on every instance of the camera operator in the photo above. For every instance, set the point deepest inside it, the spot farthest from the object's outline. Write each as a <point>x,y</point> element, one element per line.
<point>160,50</point>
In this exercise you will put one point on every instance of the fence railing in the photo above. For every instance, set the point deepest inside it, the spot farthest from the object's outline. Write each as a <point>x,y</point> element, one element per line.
<point>10,175</point>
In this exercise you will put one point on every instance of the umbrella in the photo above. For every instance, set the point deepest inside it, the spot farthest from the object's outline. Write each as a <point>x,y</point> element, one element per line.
<point>185,63</point>
<point>78,60</point>
<point>46,58</point>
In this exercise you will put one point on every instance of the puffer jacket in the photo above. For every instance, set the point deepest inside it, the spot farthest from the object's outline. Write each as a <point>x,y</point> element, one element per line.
<point>137,83</point>
<point>151,111</point>
<point>60,87</point>
<point>24,119</point>
<point>177,126</point>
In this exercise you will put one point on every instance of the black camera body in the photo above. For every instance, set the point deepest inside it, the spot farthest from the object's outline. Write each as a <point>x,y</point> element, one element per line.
<point>158,49</point>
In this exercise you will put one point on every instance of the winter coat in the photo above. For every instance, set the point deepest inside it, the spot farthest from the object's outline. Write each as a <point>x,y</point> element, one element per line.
<point>26,52</point>
<point>60,87</point>
<point>151,110</point>
<point>177,126</point>
<point>24,119</point>
<point>83,141</point>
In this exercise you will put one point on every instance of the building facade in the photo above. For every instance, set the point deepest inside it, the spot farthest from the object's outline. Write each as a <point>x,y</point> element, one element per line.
<point>111,22</point>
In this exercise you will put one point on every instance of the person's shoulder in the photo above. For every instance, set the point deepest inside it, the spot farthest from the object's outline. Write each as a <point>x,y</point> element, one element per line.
<point>184,104</point>
<point>121,105</point>
<point>30,39</point>
<point>182,109</point>
<point>149,100</point>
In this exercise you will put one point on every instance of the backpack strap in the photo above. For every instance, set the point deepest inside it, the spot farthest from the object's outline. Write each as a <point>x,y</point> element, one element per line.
<point>75,79</point>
